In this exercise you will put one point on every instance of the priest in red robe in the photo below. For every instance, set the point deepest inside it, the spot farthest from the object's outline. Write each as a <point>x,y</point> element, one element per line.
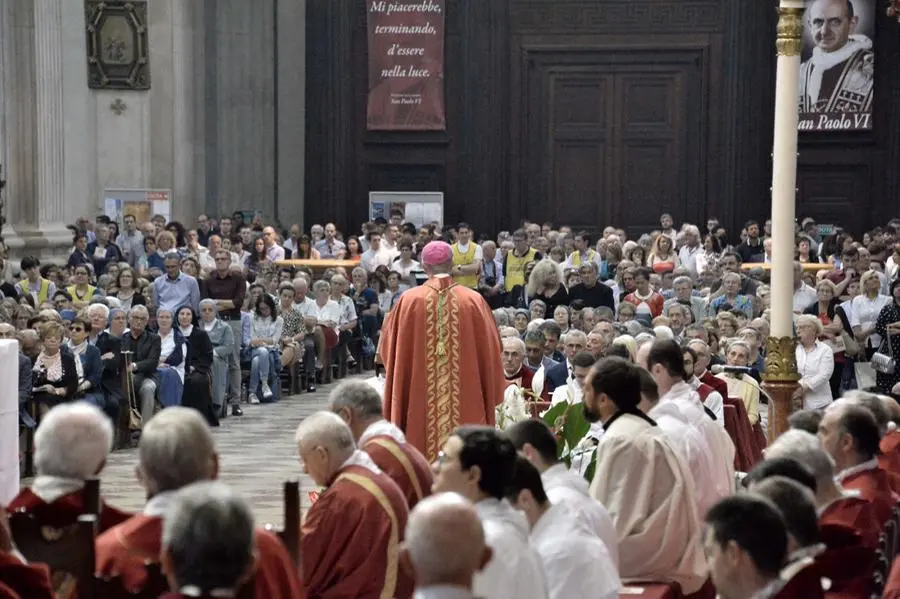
<point>176,450</point>
<point>515,371</point>
<point>440,348</point>
<point>360,406</point>
<point>352,533</point>
<point>850,434</point>
<point>208,542</point>
<point>70,445</point>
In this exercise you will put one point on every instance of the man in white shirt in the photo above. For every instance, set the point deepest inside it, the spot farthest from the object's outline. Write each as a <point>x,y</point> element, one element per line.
<point>665,362</point>
<point>643,483</point>
<point>302,302</point>
<point>376,255</point>
<point>478,463</point>
<point>690,249</point>
<point>445,547</point>
<point>564,488</point>
<point>804,295</point>
<point>576,562</point>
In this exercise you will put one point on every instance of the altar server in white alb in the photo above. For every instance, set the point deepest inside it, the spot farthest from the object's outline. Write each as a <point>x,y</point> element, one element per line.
<point>575,561</point>
<point>565,488</point>
<point>643,484</point>
<point>665,361</point>
<point>478,463</point>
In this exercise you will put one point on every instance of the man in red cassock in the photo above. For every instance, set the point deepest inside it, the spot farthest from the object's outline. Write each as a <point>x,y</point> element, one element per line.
<point>850,434</point>
<point>18,579</point>
<point>70,445</point>
<point>208,542</point>
<point>352,533</point>
<point>440,348</point>
<point>514,370</point>
<point>360,406</point>
<point>176,450</point>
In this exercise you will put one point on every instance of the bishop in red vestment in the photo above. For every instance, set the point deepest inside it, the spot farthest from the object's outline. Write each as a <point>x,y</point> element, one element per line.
<point>440,349</point>
<point>360,406</point>
<point>62,511</point>
<point>125,549</point>
<point>352,533</point>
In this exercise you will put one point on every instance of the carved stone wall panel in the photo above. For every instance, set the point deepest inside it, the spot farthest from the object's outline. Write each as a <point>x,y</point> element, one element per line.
<point>618,16</point>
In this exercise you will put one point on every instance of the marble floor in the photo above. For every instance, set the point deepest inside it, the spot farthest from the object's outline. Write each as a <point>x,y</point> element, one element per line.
<point>256,455</point>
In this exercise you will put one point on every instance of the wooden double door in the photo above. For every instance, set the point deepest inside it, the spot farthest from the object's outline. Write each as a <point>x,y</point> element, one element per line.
<point>614,137</point>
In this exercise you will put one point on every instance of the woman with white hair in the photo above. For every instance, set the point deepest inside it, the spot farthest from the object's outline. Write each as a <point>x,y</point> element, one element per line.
<point>815,364</point>
<point>544,284</point>
<point>731,295</point>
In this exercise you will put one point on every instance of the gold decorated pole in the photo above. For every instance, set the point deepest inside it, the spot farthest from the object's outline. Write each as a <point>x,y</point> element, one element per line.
<point>780,379</point>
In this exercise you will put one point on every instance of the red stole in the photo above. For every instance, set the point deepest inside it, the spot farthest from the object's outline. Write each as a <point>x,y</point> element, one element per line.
<point>874,486</point>
<point>23,580</point>
<point>716,383</point>
<point>125,549</point>
<point>890,452</point>
<point>64,511</point>
<point>351,538</point>
<point>404,464</point>
<point>439,346</point>
<point>855,513</point>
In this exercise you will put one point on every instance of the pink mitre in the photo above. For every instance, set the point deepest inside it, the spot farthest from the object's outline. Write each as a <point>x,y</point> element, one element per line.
<point>436,252</point>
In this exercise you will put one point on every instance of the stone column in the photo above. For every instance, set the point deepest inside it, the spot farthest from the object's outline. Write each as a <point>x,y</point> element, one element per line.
<point>43,231</point>
<point>781,367</point>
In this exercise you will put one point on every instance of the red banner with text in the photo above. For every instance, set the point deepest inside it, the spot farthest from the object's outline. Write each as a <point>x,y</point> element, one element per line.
<point>406,65</point>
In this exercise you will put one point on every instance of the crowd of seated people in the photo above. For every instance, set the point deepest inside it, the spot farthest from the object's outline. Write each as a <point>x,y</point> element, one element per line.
<point>155,318</point>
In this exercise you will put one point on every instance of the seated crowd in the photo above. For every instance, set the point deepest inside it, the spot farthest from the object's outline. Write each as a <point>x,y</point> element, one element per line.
<point>656,339</point>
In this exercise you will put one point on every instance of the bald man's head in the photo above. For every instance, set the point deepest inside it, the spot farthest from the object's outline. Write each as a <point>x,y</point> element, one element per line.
<point>444,542</point>
<point>893,408</point>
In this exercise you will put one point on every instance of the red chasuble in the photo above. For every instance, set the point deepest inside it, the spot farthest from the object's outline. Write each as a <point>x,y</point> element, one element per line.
<point>855,513</point>
<point>874,486</point>
<point>351,538</point>
<point>441,352</point>
<point>890,452</point>
<point>64,511</point>
<point>404,464</point>
<point>716,383</point>
<point>847,562</point>
<point>125,549</point>
<point>28,581</point>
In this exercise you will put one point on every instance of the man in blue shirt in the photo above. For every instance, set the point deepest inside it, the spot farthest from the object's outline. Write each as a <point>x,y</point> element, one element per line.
<point>176,289</point>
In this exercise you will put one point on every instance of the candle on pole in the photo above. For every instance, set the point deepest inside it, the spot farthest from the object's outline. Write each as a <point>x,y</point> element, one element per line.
<point>780,379</point>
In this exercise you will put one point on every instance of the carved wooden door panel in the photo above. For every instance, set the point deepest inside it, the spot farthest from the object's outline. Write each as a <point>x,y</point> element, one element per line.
<point>613,138</point>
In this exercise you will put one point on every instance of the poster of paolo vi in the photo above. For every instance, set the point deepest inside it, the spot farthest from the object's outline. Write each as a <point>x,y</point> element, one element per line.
<point>838,64</point>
